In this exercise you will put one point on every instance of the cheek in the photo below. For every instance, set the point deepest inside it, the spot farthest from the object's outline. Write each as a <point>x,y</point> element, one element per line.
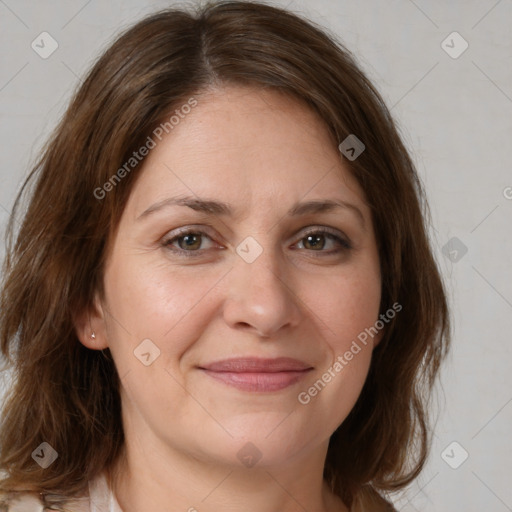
<point>347,304</point>
<point>355,311</point>
<point>328,398</point>
<point>348,309</point>
<point>156,302</point>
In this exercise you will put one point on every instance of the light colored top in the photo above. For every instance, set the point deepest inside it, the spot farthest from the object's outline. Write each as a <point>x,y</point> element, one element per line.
<point>100,499</point>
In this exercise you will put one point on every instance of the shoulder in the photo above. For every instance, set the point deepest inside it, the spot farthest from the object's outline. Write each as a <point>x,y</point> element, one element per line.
<point>96,498</point>
<point>21,501</point>
<point>31,502</point>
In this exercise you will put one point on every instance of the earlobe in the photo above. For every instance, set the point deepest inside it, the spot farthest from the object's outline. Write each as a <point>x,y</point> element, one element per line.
<point>90,327</point>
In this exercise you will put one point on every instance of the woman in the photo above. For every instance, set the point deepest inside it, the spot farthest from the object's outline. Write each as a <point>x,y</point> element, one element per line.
<point>222,293</point>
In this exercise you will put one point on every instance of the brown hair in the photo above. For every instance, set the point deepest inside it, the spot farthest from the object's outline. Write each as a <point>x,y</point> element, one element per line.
<point>68,395</point>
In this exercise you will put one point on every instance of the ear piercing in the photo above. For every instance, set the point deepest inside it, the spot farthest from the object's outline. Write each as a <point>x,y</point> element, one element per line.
<point>93,336</point>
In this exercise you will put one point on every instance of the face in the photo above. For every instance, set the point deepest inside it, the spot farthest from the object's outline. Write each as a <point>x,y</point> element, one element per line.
<point>243,271</point>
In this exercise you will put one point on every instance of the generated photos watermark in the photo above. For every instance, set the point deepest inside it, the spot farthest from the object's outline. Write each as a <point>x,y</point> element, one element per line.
<point>137,156</point>
<point>304,397</point>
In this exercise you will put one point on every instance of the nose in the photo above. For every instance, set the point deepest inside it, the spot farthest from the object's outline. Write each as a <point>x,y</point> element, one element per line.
<point>261,297</point>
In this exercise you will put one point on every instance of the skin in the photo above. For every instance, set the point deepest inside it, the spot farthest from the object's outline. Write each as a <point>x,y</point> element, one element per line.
<point>261,152</point>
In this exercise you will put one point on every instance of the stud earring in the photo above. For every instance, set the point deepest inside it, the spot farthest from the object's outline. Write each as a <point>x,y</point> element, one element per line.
<point>93,336</point>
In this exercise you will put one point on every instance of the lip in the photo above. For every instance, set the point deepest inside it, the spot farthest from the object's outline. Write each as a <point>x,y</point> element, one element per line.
<point>258,374</point>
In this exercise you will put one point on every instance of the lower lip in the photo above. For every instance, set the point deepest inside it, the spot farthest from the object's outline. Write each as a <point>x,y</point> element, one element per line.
<point>265,381</point>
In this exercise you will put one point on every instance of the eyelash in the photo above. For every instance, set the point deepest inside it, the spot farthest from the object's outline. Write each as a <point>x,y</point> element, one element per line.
<point>344,244</point>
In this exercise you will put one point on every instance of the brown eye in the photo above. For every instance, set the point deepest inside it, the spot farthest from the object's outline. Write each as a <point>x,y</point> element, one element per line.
<point>324,241</point>
<point>188,242</point>
<point>314,242</point>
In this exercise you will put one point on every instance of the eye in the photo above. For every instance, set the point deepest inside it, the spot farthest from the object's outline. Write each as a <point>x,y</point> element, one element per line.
<point>193,242</point>
<point>188,241</point>
<point>317,240</point>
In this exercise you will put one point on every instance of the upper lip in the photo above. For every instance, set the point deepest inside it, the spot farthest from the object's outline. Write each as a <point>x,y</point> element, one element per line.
<point>257,365</point>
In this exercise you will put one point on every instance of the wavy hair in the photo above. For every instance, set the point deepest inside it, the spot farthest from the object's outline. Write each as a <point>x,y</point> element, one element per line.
<point>68,395</point>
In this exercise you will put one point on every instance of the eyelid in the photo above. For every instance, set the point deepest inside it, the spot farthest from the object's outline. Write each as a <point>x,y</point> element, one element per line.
<point>186,230</point>
<point>343,241</point>
<point>329,231</point>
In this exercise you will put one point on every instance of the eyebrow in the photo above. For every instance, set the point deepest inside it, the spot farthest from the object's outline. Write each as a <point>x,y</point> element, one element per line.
<point>214,207</point>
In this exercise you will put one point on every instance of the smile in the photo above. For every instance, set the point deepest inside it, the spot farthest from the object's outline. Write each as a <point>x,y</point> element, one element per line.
<point>256,374</point>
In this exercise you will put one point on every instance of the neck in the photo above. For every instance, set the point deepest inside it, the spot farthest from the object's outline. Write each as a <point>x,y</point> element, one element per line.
<point>157,478</point>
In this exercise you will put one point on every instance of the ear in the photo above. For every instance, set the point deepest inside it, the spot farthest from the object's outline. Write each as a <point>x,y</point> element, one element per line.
<point>90,327</point>
<point>378,337</point>
<point>382,329</point>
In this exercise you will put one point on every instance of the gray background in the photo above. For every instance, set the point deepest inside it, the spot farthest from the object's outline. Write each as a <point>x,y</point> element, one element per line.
<point>455,115</point>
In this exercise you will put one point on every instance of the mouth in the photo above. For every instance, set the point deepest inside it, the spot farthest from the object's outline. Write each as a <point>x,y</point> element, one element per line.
<point>257,374</point>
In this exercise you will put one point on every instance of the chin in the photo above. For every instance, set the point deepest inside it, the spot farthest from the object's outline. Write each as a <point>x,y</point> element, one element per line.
<point>266,440</point>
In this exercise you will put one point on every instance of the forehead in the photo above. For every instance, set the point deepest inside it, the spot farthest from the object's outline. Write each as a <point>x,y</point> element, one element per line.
<point>253,146</point>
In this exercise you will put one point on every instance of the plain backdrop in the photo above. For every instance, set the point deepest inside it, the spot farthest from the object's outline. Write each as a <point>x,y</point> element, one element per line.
<point>454,108</point>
